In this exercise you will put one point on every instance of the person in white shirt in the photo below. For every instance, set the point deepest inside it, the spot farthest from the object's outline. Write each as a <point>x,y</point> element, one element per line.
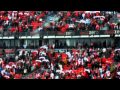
<point>88,70</point>
<point>69,54</point>
<point>80,61</point>
<point>100,70</point>
<point>60,66</point>
<point>1,61</point>
<point>16,58</point>
<point>108,73</point>
<point>25,71</point>
<point>85,59</point>
<point>52,67</point>
<point>3,72</point>
<point>56,77</point>
<point>83,15</point>
<point>45,60</point>
<point>104,49</point>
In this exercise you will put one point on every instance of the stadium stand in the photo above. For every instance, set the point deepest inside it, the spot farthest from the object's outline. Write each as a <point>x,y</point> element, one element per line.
<point>59,45</point>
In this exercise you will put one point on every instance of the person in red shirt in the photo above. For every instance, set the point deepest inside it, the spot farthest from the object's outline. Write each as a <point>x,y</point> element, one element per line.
<point>13,29</point>
<point>64,57</point>
<point>68,13</point>
<point>97,14</point>
<point>109,61</point>
<point>17,76</point>
<point>89,65</point>
<point>103,60</point>
<point>112,26</point>
<point>64,28</point>
<point>20,29</point>
<point>88,15</point>
<point>76,13</point>
<point>56,55</point>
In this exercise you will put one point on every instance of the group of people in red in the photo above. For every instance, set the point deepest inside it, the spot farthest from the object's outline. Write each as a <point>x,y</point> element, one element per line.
<point>80,64</point>
<point>22,21</point>
<point>28,21</point>
<point>47,63</point>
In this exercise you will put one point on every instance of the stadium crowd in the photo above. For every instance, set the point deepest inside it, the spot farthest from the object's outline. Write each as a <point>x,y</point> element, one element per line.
<point>46,63</point>
<point>29,21</point>
<point>86,62</point>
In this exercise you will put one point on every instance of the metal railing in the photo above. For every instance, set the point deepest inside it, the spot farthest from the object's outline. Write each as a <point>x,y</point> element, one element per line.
<point>59,33</point>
